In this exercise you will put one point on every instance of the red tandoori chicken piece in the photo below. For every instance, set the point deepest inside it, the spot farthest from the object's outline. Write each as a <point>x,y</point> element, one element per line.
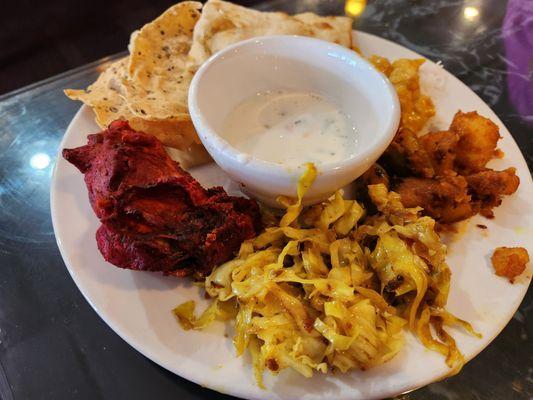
<point>155,216</point>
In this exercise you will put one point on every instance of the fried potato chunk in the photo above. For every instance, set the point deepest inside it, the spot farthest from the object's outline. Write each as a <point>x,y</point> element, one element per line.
<point>510,262</point>
<point>444,172</point>
<point>446,199</point>
<point>478,137</point>
<point>489,182</point>
<point>487,188</point>
<point>441,147</point>
<point>406,156</point>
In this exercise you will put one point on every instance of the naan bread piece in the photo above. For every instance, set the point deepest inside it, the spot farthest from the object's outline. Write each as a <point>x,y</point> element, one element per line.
<point>157,84</point>
<point>223,24</point>
<point>333,29</point>
<point>106,98</point>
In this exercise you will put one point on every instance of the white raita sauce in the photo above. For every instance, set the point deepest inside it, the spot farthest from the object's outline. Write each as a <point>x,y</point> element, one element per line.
<point>291,128</point>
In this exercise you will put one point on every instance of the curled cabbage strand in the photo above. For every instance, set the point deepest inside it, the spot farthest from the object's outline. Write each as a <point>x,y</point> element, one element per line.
<point>330,288</point>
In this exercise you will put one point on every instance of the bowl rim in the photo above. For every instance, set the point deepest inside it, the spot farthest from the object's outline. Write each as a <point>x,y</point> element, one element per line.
<point>226,150</point>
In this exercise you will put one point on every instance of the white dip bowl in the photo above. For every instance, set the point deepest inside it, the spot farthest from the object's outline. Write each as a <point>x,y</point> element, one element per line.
<point>294,63</point>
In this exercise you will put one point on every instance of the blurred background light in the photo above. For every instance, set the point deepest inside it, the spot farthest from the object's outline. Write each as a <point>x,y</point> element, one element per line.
<point>470,13</point>
<point>40,161</point>
<point>354,8</point>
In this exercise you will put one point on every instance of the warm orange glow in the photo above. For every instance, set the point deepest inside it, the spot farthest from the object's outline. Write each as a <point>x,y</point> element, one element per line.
<point>470,13</point>
<point>354,8</point>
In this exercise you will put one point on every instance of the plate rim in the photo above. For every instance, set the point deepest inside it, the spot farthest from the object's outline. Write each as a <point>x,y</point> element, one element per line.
<point>192,377</point>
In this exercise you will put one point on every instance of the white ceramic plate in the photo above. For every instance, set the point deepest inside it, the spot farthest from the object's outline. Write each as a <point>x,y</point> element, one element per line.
<point>137,305</point>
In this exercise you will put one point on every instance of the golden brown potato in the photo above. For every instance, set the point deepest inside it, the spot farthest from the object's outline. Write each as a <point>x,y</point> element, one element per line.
<point>445,199</point>
<point>487,188</point>
<point>444,172</point>
<point>478,137</point>
<point>489,182</point>
<point>441,147</point>
<point>510,261</point>
<point>407,157</point>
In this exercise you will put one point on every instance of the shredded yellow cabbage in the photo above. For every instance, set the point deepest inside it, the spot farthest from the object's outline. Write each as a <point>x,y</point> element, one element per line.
<point>323,291</point>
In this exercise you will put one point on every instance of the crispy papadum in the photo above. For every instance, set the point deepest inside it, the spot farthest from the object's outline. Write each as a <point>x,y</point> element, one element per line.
<point>150,87</point>
<point>158,84</point>
<point>106,97</point>
<point>147,88</point>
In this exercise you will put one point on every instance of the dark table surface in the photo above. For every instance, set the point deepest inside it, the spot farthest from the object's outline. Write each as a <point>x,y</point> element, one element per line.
<point>53,345</point>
